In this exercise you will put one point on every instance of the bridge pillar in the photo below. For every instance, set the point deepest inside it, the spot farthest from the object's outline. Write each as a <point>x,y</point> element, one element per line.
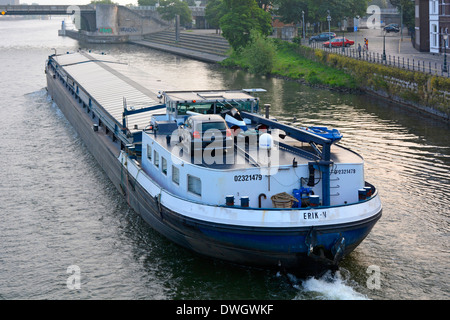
<point>107,19</point>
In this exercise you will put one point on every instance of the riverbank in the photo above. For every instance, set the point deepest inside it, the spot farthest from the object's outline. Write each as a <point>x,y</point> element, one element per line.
<point>429,94</point>
<point>289,64</point>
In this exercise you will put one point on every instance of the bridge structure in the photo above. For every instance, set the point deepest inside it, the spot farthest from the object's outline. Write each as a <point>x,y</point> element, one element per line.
<point>71,9</point>
<point>24,10</point>
<point>100,23</point>
<point>86,13</point>
<point>105,22</point>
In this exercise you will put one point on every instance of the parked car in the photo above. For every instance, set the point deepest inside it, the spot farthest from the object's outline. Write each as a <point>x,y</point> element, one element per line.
<point>200,131</point>
<point>325,36</point>
<point>338,42</point>
<point>393,27</point>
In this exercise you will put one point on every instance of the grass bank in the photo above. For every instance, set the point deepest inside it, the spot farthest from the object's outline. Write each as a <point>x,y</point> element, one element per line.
<point>288,62</point>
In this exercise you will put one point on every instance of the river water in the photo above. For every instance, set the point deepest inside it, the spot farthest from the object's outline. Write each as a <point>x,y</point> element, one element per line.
<point>59,212</point>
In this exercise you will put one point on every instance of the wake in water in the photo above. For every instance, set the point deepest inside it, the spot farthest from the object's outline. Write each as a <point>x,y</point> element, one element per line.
<point>330,286</point>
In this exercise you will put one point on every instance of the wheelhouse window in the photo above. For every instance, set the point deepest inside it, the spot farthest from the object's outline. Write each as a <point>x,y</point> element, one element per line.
<point>149,152</point>
<point>156,158</point>
<point>194,185</point>
<point>175,175</point>
<point>164,165</point>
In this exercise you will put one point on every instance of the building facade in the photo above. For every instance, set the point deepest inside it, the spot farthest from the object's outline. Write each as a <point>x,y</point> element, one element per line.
<point>432,24</point>
<point>422,25</point>
<point>444,23</point>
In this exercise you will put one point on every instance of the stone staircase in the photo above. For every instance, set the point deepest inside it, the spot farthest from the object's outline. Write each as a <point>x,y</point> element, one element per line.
<point>209,43</point>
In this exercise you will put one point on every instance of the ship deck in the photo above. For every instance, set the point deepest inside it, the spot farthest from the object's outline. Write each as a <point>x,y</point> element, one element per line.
<point>112,84</point>
<point>238,158</point>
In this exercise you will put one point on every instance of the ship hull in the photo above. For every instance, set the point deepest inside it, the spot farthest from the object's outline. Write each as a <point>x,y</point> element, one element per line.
<point>307,248</point>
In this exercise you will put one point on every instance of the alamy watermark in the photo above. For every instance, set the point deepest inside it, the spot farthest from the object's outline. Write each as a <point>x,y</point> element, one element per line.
<point>74,280</point>
<point>374,279</point>
<point>374,20</point>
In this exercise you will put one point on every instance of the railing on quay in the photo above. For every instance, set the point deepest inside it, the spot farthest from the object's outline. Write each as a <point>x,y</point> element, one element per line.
<point>391,60</point>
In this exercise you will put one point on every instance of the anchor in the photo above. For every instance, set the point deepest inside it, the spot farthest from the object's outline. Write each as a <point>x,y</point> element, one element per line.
<point>311,240</point>
<point>338,249</point>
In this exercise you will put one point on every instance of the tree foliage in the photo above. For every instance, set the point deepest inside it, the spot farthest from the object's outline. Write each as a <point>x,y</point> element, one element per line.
<point>215,10</point>
<point>290,11</point>
<point>168,9</point>
<point>147,2</point>
<point>259,53</point>
<point>407,7</point>
<point>241,17</point>
<point>102,2</point>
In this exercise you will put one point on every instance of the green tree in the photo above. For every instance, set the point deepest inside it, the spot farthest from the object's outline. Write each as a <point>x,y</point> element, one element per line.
<point>407,7</point>
<point>147,2</point>
<point>168,9</point>
<point>259,53</point>
<point>102,2</point>
<point>266,5</point>
<point>215,9</point>
<point>290,11</point>
<point>241,17</point>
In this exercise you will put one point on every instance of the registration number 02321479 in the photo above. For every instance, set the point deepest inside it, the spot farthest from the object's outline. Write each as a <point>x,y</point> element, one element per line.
<point>247,177</point>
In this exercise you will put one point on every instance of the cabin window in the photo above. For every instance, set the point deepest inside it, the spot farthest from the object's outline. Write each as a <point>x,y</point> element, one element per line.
<point>164,165</point>
<point>149,153</point>
<point>194,185</point>
<point>175,175</point>
<point>156,158</point>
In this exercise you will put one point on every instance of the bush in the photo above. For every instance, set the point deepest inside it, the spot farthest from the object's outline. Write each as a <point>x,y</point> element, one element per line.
<point>313,78</point>
<point>259,54</point>
<point>297,40</point>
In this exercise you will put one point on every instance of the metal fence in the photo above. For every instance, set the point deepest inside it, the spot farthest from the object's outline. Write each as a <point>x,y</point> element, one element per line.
<point>429,67</point>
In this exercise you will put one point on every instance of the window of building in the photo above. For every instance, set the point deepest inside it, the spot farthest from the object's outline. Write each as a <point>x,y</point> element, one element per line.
<point>434,36</point>
<point>434,6</point>
<point>156,158</point>
<point>164,165</point>
<point>175,175</point>
<point>194,185</point>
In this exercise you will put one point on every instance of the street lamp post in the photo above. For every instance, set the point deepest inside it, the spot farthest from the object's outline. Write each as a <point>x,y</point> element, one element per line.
<point>356,31</point>
<point>343,35</point>
<point>444,67</point>
<point>329,28</point>
<point>384,45</point>
<point>303,22</point>
<point>401,21</point>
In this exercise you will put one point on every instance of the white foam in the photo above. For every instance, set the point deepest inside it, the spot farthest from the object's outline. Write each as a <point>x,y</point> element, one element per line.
<point>330,287</point>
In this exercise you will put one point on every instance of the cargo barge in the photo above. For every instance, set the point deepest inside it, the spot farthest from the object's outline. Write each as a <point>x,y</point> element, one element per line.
<point>208,171</point>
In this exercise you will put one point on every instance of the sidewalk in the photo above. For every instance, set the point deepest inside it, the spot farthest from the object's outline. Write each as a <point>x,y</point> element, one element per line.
<point>395,46</point>
<point>398,51</point>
